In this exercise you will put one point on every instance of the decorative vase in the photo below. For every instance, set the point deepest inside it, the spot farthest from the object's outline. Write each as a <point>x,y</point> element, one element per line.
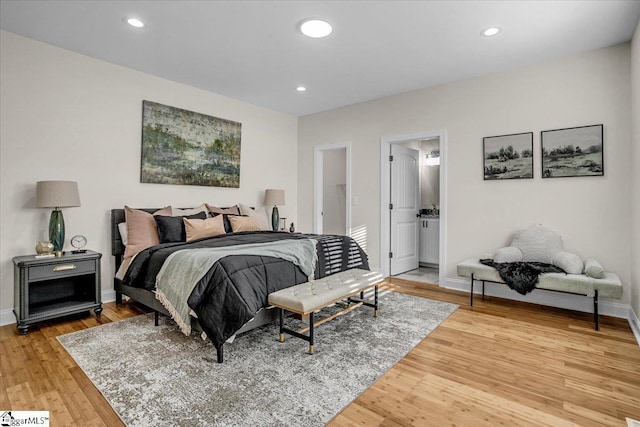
<point>56,231</point>
<point>292,229</point>
<point>275,218</point>
<point>44,248</point>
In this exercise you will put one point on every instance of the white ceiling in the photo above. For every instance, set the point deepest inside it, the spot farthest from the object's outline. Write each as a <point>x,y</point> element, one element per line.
<point>251,50</point>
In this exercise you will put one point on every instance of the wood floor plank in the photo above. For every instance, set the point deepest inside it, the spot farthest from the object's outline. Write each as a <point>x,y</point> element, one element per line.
<point>499,363</point>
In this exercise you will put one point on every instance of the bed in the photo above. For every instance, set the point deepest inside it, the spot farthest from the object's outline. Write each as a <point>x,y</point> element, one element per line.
<point>232,297</point>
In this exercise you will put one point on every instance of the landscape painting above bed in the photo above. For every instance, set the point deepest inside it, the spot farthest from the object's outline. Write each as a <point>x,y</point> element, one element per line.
<point>188,148</point>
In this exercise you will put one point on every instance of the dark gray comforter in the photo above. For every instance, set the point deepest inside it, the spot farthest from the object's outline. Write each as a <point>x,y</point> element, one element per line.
<point>237,287</point>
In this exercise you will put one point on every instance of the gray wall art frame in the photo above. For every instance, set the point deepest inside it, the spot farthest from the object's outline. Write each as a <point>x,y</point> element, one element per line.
<point>571,152</point>
<point>183,147</point>
<point>508,156</point>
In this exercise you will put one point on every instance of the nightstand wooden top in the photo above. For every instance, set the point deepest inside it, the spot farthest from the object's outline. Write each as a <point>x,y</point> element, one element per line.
<point>30,260</point>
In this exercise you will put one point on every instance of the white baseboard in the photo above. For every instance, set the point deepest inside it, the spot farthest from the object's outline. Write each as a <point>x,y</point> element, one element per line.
<point>7,317</point>
<point>540,296</point>
<point>634,322</point>
<point>108,296</point>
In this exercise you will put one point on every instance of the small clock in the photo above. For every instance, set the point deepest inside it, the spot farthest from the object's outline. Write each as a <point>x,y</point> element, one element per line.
<point>79,242</point>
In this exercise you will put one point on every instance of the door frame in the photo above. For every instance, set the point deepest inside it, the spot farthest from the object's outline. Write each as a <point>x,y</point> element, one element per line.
<point>385,196</point>
<point>318,161</point>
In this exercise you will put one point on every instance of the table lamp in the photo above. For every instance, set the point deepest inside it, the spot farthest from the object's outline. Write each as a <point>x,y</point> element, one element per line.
<point>273,198</point>
<point>56,195</point>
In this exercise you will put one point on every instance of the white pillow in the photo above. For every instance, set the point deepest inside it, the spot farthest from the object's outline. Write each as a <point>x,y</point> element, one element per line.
<point>122,228</point>
<point>189,212</point>
<point>571,263</point>
<point>592,268</point>
<point>537,243</point>
<point>259,214</point>
<point>508,254</point>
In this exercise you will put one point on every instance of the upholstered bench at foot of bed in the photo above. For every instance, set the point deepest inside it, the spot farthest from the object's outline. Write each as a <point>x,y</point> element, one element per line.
<point>307,298</point>
<point>608,286</point>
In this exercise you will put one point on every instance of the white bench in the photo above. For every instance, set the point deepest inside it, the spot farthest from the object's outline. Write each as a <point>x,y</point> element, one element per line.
<point>309,297</point>
<point>578,284</point>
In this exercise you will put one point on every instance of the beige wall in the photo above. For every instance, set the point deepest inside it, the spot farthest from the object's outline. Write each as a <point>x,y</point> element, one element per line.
<point>592,213</point>
<point>69,116</point>
<point>635,161</point>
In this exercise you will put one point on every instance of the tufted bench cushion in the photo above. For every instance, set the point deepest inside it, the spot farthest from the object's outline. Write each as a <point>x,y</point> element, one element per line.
<point>309,297</point>
<point>312,296</point>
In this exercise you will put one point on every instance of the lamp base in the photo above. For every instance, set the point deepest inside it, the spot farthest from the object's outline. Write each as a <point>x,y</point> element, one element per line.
<point>275,219</point>
<point>56,231</point>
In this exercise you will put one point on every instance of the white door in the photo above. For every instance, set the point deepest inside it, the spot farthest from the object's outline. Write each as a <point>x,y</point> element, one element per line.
<point>404,207</point>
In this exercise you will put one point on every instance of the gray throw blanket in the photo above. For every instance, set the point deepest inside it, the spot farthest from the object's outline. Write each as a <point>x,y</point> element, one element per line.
<point>183,269</point>
<point>522,277</point>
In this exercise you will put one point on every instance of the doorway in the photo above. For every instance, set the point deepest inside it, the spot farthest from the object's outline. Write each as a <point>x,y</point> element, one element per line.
<point>433,219</point>
<point>332,189</point>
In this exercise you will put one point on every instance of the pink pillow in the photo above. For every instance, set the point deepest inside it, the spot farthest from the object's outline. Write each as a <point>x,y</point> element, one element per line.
<point>142,231</point>
<point>243,223</point>
<point>201,228</point>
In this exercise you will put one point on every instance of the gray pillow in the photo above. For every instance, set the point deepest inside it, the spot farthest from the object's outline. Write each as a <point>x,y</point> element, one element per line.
<point>538,244</point>
<point>508,254</point>
<point>571,263</point>
<point>592,268</point>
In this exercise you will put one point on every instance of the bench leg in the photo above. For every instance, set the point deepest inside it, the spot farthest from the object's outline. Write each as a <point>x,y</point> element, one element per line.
<point>156,318</point>
<point>595,311</point>
<point>375,301</point>
<point>220,353</point>
<point>281,313</point>
<point>471,290</point>
<point>311,333</point>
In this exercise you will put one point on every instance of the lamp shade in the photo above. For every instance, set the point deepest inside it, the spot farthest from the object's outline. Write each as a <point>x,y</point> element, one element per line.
<point>274,197</point>
<point>57,194</point>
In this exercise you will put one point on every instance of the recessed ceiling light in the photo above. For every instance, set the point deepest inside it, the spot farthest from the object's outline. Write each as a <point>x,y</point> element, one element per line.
<point>301,88</point>
<point>315,28</point>
<point>135,22</point>
<point>491,31</point>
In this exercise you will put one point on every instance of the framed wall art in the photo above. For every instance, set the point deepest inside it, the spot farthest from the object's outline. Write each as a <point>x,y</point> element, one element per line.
<point>188,148</point>
<point>508,156</point>
<point>572,152</point>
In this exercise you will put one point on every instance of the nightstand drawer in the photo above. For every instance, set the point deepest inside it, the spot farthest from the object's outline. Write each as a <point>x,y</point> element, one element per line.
<point>62,269</point>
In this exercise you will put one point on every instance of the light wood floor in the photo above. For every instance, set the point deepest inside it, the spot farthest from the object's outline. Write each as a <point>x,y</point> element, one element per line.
<point>499,363</point>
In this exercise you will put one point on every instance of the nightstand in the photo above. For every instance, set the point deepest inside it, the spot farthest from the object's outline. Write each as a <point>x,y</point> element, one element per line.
<point>46,288</point>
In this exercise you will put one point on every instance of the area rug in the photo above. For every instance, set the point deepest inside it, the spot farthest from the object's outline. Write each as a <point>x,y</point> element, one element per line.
<point>155,376</point>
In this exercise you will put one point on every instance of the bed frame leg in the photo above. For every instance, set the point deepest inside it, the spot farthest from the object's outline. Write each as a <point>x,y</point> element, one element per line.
<point>471,296</point>
<point>220,353</point>
<point>595,311</point>
<point>118,298</point>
